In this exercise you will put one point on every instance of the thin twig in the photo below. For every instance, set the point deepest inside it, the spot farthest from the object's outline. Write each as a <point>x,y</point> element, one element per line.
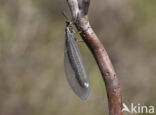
<point>80,18</point>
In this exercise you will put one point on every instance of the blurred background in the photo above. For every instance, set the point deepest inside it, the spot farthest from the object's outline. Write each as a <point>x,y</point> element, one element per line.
<point>32,79</point>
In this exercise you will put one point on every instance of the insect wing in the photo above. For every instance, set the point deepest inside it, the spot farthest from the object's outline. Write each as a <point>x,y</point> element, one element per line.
<point>74,68</point>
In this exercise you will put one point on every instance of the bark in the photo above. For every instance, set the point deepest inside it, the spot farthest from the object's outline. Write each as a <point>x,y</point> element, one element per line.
<point>79,13</point>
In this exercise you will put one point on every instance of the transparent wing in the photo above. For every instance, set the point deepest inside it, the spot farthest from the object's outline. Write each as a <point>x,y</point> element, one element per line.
<point>74,69</point>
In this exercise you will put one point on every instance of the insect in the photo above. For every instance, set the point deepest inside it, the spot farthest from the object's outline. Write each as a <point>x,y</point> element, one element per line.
<point>74,68</point>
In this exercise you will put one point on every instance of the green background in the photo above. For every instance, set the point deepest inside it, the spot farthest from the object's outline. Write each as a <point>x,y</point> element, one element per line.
<point>32,79</point>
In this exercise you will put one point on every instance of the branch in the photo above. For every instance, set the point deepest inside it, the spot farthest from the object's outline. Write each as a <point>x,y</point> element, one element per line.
<point>85,6</point>
<point>74,8</point>
<point>79,14</point>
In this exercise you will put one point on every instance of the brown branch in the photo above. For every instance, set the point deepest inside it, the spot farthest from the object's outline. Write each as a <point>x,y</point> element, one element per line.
<point>74,8</point>
<point>111,81</point>
<point>85,6</point>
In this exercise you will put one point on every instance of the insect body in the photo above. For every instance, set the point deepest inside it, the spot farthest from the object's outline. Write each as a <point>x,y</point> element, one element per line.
<point>74,68</point>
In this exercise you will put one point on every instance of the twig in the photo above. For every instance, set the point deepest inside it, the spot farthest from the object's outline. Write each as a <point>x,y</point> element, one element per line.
<point>79,13</point>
